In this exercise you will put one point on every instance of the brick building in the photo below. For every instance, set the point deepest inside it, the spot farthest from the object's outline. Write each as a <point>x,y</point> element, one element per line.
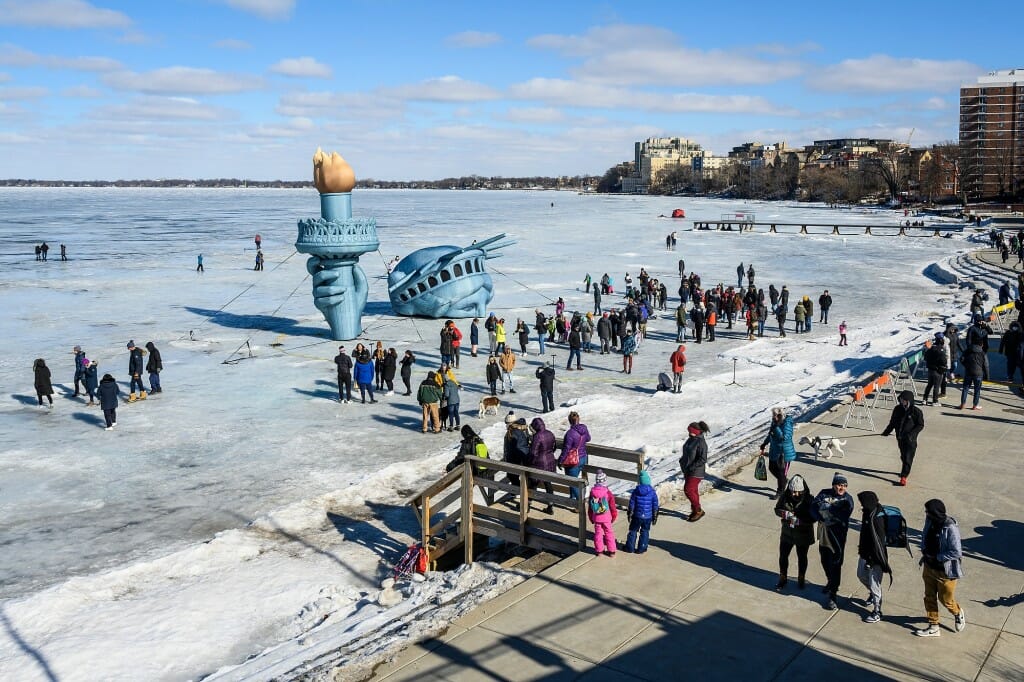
<point>992,135</point>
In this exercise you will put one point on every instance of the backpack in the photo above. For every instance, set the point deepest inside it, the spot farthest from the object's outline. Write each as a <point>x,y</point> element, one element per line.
<point>598,505</point>
<point>895,528</point>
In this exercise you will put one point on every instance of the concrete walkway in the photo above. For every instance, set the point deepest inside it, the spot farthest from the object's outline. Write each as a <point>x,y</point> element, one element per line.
<point>702,604</point>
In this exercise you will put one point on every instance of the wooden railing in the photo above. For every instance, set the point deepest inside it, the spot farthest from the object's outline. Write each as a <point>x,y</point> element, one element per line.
<point>450,512</point>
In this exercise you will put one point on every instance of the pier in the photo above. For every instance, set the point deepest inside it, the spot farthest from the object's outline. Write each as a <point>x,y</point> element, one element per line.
<point>845,230</point>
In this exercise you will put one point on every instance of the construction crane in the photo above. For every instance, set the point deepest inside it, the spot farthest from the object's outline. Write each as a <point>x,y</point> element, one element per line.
<point>910,136</point>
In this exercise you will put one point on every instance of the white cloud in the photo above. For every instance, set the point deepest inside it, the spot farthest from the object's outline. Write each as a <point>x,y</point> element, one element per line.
<point>153,108</point>
<point>624,54</point>
<point>882,73</point>
<point>935,104</point>
<point>16,93</point>
<point>60,14</point>
<point>473,39</point>
<point>593,95</point>
<point>183,80</point>
<point>784,50</point>
<point>4,77</point>
<point>82,91</point>
<point>135,38</point>
<point>12,55</point>
<point>443,89</point>
<point>232,44</point>
<point>294,127</point>
<point>534,115</point>
<point>268,9</point>
<point>301,67</point>
<point>339,105</point>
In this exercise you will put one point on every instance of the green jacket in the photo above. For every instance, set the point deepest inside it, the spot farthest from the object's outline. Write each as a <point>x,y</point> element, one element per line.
<point>429,392</point>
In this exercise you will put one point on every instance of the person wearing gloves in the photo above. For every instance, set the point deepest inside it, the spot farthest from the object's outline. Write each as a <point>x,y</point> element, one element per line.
<point>907,421</point>
<point>794,510</point>
<point>642,512</point>
<point>940,558</point>
<point>832,508</point>
<point>602,513</point>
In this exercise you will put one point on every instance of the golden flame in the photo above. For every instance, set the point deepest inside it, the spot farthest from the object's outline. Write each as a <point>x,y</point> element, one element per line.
<point>332,173</point>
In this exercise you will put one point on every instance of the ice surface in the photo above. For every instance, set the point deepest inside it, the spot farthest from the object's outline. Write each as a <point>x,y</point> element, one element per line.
<point>242,506</point>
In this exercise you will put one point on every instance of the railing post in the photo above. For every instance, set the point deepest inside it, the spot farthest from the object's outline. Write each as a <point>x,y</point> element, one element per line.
<point>467,512</point>
<point>835,229</point>
<point>581,508</point>
<point>425,527</point>
<point>524,506</point>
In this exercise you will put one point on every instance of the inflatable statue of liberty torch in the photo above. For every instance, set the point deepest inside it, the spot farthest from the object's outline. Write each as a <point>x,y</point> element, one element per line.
<point>334,242</point>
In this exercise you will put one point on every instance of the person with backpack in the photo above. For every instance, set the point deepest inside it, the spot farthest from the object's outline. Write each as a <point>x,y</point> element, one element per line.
<point>541,327</point>
<point>602,512</point>
<point>678,362</point>
<point>907,421</point>
<point>472,445</point>
<point>574,450</point>
<point>940,558</point>
<point>781,451</point>
<point>641,513</point>
<point>873,559</point>
<point>693,463</point>
<point>832,509</point>
<point>794,510</point>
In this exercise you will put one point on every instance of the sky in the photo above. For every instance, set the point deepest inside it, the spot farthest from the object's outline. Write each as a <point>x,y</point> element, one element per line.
<point>411,90</point>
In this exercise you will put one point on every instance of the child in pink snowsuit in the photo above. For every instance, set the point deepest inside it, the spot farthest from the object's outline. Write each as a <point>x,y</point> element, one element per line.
<point>602,513</point>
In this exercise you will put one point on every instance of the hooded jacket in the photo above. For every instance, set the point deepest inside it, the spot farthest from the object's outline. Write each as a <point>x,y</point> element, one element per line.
<point>795,515</point>
<point>577,437</point>
<point>546,374</point>
<point>975,362</point>
<point>871,546</point>
<point>42,378</point>
<point>907,421</point>
<point>678,359</point>
<point>517,443</point>
<point>364,372</point>
<point>135,363</point>
<point>780,440</point>
<point>542,447</point>
<point>950,553</point>
<point>108,392</point>
<point>429,391</point>
<point>155,364</point>
<point>643,501</point>
<point>471,445</point>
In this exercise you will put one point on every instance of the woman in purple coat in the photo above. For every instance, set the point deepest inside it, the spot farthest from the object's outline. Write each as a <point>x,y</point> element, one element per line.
<point>542,456</point>
<point>576,438</point>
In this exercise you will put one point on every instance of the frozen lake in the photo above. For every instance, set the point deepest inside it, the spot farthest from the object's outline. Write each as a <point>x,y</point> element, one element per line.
<point>262,438</point>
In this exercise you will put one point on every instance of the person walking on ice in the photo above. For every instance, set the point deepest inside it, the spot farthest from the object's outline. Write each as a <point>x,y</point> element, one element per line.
<point>108,400</point>
<point>199,263</point>
<point>41,378</point>
<point>135,368</point>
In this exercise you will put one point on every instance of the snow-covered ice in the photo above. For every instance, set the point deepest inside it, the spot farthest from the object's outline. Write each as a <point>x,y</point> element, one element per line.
<point>244,509</point>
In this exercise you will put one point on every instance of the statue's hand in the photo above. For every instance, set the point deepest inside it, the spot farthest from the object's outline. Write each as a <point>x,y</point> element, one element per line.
<point>360,288</point>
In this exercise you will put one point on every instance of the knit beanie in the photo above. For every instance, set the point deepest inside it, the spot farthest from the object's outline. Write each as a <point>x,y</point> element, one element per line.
<point>645,478</point>
<point>839,479</point>
<point>510,418</point>
<point>600,477</point>
<point>796,484</point>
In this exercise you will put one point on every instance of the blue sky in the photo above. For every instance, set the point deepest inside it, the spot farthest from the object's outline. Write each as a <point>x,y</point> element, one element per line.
<point>414,90</point>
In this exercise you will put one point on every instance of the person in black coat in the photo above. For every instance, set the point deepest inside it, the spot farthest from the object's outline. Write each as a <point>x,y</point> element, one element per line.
<point>874,557</point>
<point>136,365</point>
<point>832,509</point>
<point>546,375</point>
<point>42,381</point>
<point>344,364</point>
<point>1010,347</point>
<point>975,364</point>
<point>936,361</point>
<point>907,421</point>
<point>390,366</point>
<point>408,360</point>
<point>516,444</point>
<point>154,365</point>
<point>493,374</point>
<point>108,400</point>
<point>91,380</point>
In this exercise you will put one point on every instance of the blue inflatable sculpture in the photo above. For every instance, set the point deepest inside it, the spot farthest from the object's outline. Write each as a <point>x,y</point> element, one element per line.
<point>334,242</point>
<point>445,281</point>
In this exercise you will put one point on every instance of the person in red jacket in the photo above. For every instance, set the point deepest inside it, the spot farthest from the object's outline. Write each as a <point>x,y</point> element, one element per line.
<point>456,344</point>
<point>678,360</point>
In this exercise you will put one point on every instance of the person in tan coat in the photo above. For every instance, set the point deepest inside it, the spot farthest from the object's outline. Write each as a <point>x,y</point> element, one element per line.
<point>507,362</point>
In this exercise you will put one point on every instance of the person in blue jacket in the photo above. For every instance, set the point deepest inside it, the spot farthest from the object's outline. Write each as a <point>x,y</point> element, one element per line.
<point>642,512</point>
<point>364,374</point>
<point>781,451</point>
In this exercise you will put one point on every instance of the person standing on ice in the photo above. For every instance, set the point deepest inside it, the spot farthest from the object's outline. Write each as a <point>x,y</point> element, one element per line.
<point>678,362</point>
<point>597,300</point>
<point>390,364</point>
<point>199,263</point>
<point>91,380</point>
<point>546,376</point>
<point>154,366</point>
<point>740,271</point>
<point>41,376</point>
<point>364,375</point>
<point>824,303</point>
<point>474,336</point>
<point>429,397</point>
<point>136,365</point>
<point>108,400</point>
<point>344,364</point>
<point>408,360</point>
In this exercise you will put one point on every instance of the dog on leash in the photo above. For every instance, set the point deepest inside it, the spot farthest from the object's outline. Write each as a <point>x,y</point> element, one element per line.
<point>489,404</point>
<point>828,445</point>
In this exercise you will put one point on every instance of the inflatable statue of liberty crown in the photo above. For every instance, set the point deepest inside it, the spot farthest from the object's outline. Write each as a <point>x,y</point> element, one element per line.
<point>334,242</point>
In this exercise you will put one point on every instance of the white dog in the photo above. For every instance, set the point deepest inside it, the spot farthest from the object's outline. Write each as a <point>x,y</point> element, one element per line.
<point>829,445</point>
<point>489,404</point>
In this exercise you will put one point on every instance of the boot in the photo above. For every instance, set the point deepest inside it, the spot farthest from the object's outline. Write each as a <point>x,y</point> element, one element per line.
<point>801,582</point>
<point>142,395</point>
<point>782,583</point>
<point>131,397</point>
<point>903,481</point>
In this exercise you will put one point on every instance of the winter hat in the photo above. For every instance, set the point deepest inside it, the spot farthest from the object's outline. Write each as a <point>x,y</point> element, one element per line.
<point>600,477</point>
<point>796,484</point>
<point>645,478</point>
<point>131,344</point>
<point>78,349</point>
<point>839,479</point>
<point>939,336</point>
<point>510,418</point>
<point>693,429</point>
<point>85,362</point>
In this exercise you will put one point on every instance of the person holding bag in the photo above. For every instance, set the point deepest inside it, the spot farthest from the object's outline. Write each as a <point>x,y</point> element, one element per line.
<point>574,450</point>
<point>781,451</point>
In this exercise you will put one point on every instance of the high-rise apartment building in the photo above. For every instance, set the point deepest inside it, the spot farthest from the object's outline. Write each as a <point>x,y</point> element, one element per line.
<point>992,136</point>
